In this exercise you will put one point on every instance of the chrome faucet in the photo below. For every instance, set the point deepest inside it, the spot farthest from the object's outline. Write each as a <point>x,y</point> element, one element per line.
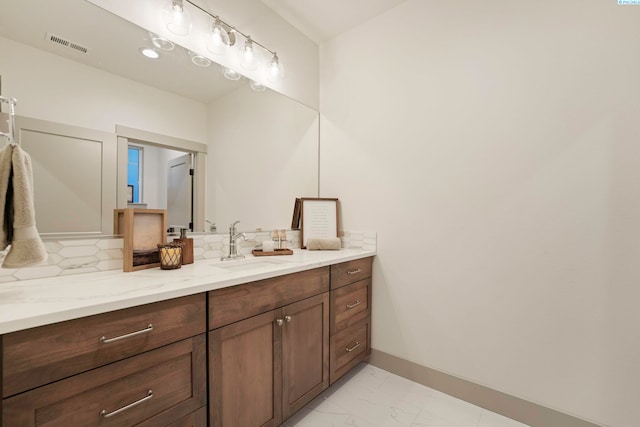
<point>233,246</point>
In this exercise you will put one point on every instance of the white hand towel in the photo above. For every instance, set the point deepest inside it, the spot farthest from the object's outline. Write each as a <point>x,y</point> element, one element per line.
<point>19,213</point>
<point>6,204</point>
<point>314,244</point>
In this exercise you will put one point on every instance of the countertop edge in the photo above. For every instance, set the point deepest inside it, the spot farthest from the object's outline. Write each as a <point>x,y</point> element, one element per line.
<point>189,281</point>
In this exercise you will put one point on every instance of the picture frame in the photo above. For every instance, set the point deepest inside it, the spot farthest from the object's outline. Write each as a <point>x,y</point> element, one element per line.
<point>295,220</point>
<point>130,191</point>
<point>318,218</point>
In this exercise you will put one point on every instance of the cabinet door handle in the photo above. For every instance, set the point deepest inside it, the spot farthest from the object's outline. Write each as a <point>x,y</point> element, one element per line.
<point>287,319</point>
<point>105,414</point>
<point>106,340</point>
<point>350,349</point>
<point>279,322</point>
<point>355,304</point>
<point>354,271</point>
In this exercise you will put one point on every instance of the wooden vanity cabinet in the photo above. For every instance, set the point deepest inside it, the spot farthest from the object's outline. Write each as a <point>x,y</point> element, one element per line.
<point>144,366</point>
<point>38,356</point>
<point>265,367</point>
<point>350,320</point>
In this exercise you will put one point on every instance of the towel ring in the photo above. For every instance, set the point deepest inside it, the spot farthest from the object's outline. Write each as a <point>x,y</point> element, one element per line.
<point>10,135</point>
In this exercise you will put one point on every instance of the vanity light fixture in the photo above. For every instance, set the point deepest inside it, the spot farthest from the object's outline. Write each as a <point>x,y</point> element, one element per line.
<point>275,70</point>
<point>248,58</point>
<point>177,18</point>
<point>220,37</point>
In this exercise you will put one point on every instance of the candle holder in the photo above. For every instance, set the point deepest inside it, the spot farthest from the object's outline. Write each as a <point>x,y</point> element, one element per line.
<point>170,255</point>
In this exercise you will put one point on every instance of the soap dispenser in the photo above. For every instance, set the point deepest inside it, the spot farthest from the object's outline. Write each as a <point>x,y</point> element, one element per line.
<point>187,246</point>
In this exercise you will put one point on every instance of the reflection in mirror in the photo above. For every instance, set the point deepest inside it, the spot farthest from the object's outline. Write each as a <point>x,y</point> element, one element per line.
<point>160,178</point>
<point>262,146</point>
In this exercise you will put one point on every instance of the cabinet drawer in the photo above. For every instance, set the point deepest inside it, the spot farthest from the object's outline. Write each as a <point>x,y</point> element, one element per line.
<point>39,356</point>
<point>233,304</point>
<point>351,271</point>
<point>348,348</point>
<point>151,389</point>
<point>349,305</point>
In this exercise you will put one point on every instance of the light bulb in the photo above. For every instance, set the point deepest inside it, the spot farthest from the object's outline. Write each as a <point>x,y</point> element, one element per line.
<point>177,18</point>
<point>150,53</point>
<point>275,70</point>
<point>248,58</point>
<point>218,40</point>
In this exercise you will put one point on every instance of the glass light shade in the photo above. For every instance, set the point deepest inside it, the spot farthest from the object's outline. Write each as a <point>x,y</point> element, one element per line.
<point>231,74</point>
<point>162,43</point>
<point>248,56</point>
<point>177,18</point>
<point>218,39</point>
<point>275,69</point>
<point>258,87</point>
<point>199,60</point>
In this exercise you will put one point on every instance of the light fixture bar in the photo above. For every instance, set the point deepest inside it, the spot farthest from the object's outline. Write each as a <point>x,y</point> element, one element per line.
<point>214,17</point>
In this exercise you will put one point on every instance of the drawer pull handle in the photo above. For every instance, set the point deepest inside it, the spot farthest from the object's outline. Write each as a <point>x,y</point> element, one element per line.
<point>106,340</point>
<point>350,349</point>
<point>279,322</point>
<point>355,304</point>
<point>105,414</point>
<point>354,271</point>
<point>287,319</point>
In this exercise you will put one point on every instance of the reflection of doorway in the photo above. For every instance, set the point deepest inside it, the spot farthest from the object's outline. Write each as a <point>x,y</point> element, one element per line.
<point>158,150</point>
<point>179,192</point>
<point>164,181</point>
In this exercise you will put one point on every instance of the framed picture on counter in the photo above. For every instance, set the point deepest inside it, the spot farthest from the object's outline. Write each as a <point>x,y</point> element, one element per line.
<point>318,219</point>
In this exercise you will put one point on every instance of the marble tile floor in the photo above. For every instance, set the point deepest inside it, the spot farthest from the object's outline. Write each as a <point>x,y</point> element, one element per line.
<point>371,397</point>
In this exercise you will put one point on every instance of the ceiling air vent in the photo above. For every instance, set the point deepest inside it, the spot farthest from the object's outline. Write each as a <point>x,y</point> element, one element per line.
<point>66,43</point>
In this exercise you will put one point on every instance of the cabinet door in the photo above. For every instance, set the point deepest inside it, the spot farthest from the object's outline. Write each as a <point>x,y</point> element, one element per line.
<point>245,375</point>
<point>305,351</point>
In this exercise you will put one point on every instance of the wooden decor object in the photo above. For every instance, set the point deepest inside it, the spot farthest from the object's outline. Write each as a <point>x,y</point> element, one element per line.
<point>143,230</point>
<point>260,252</point>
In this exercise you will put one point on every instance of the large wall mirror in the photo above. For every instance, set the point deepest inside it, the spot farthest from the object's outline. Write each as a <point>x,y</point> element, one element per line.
<point>261,146</point>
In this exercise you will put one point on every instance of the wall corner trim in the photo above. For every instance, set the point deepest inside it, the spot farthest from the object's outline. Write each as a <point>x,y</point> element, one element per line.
<point>521,410</point>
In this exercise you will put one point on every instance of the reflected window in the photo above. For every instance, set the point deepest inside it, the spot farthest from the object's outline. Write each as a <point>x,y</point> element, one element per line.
<point>134,173</point>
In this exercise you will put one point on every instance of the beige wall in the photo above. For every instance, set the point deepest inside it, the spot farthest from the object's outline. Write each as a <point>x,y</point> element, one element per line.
<point>494,146</point>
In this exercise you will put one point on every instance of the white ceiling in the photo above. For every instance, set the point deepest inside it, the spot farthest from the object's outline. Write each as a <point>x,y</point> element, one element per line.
<point>322,19</point>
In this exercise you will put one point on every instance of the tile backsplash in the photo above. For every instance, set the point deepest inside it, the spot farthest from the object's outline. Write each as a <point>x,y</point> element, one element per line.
<point>68,257</point>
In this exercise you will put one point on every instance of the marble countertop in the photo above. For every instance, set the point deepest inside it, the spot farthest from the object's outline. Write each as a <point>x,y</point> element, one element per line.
<point>31,303</point>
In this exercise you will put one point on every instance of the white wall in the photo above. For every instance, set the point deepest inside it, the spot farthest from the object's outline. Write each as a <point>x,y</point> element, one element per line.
<point>263,153</point>
<point>49,87</point>
<point>495,148</point>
